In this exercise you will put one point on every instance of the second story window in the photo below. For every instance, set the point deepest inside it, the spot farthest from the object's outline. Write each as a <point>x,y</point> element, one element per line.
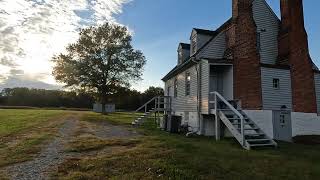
<point>176,88</point>
<point>188,82</point>
<point>194,44</point>
<point>259,41</point>
<point>180,56</point>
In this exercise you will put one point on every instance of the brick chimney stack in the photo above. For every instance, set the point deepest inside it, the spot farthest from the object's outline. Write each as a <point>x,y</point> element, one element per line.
<point>247,74</point>
<point>293,50</point>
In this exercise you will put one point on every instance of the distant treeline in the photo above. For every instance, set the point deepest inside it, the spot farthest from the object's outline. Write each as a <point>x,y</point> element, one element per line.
<point>124,98</point>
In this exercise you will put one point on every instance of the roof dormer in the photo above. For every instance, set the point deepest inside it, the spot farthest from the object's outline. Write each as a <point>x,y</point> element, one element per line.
<point>183,52</point>
<point>199,37</point>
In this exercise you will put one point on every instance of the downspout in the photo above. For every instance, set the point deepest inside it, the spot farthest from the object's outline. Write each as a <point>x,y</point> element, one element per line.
<point>198,70</point>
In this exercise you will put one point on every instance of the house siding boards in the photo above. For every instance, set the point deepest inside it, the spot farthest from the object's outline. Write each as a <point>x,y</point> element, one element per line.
<point>265,19</point>
<point>317,88</point>
<point>183,103</point>
<point>205,74</point>
<point>201,39</point>
<point>272,98</point>
<point>215,49</point>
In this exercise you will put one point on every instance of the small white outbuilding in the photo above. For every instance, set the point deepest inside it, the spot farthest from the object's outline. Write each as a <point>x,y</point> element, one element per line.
<point>110,108</point>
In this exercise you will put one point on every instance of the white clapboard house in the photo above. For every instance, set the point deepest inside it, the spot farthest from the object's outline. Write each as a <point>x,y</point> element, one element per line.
<point>252,78</point>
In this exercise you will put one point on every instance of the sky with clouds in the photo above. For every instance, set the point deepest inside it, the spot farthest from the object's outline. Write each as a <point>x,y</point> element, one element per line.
<point>31,31</point>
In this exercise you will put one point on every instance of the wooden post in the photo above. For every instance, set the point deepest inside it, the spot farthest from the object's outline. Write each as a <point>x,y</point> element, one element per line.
<point>218,126</point>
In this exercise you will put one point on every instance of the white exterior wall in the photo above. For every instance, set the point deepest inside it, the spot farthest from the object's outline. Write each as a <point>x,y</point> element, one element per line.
<point>302,123</point>
<point>273,99</point>
<point>205,71</point>
<point>263,118</point>
<point>268,26</point>
<point>109,108</point>
<point>182,102</point>
<point>201,39</point>
<point>305,124</point>
<point>192,119</point>
<point>215,48</point>
<point>208,126</point>
<point>228,83</point>
<point>317,89</point>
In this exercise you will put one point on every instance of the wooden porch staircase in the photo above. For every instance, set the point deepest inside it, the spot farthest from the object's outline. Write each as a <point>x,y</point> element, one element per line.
<point>159,105</point>
<point>246,131</point>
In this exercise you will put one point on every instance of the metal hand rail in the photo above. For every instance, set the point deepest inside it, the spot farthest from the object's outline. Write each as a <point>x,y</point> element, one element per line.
<point>217,95</point>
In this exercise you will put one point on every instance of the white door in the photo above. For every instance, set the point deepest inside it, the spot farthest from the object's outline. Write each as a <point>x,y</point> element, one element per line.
<point>282,128</point>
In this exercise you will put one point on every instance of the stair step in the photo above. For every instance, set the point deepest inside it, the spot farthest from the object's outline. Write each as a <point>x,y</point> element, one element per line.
<point>237,119</point>
<point>256,134</point>
<point>250,129</point>
<point>261,145</point>
<point>246,123</point>
<point>257,140</point>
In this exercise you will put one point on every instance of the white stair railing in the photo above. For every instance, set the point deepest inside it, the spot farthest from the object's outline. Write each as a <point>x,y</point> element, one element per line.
<point>219,98</point>
<point>161,104</point>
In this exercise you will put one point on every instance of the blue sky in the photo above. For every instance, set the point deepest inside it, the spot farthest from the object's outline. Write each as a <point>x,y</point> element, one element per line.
<point>159,26</point>
<point>32,31</point>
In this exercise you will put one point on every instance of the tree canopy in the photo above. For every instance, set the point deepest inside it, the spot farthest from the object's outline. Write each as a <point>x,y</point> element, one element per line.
<point>124,99</point>
<point>101,61</point>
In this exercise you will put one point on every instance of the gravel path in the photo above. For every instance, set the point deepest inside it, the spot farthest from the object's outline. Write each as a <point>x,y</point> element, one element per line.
<point>53,154</point>
<point>106,130</point>
<point>49,157</point>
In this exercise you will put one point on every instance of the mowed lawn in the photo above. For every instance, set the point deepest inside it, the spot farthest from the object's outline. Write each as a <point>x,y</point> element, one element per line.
<point>155,154</point>
<point>12,121</point>
<point>160,155</point>
<point>24,132</point>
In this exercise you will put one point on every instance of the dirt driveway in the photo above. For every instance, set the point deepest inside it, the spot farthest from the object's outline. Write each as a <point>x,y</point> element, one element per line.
<point>74,139</point>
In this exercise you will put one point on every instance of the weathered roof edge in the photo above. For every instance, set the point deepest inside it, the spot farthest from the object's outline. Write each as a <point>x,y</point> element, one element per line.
<point>184,45</point>
<point>178,68</point>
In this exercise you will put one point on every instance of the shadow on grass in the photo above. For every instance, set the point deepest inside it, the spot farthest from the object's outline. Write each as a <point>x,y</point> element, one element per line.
<point>161,155</point>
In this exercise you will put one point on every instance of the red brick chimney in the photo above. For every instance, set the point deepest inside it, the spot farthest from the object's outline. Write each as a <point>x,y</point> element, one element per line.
<point>293,46</point>
<point>247,73</point>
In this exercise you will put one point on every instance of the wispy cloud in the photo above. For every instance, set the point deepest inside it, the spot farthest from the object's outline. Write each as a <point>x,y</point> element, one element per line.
<point>31,31</point>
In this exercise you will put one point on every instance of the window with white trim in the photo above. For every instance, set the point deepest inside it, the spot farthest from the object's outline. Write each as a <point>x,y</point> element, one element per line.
<point>276,83</point>
<point>193,44</point>
<point>179,56</point>
<point>188,82</point>
<point>175,87</point>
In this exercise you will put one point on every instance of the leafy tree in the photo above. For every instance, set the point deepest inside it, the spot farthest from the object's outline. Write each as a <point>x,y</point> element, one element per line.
<point>101,61</point>
<point>45,98</point>
<point>153,91</point>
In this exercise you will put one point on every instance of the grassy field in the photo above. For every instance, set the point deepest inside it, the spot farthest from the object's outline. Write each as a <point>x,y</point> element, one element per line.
<point>161,155</point>
<point>155,154</point>
<point>23,132</point>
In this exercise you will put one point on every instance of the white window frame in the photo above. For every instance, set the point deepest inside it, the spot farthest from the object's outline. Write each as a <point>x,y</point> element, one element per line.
<point>188,84</point>
<point>276,83</point>
<point>175,90</point>
<point>193,44</point>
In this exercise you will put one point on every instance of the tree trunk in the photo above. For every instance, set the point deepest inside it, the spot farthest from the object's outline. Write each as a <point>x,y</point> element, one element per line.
<point>103,105</point>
